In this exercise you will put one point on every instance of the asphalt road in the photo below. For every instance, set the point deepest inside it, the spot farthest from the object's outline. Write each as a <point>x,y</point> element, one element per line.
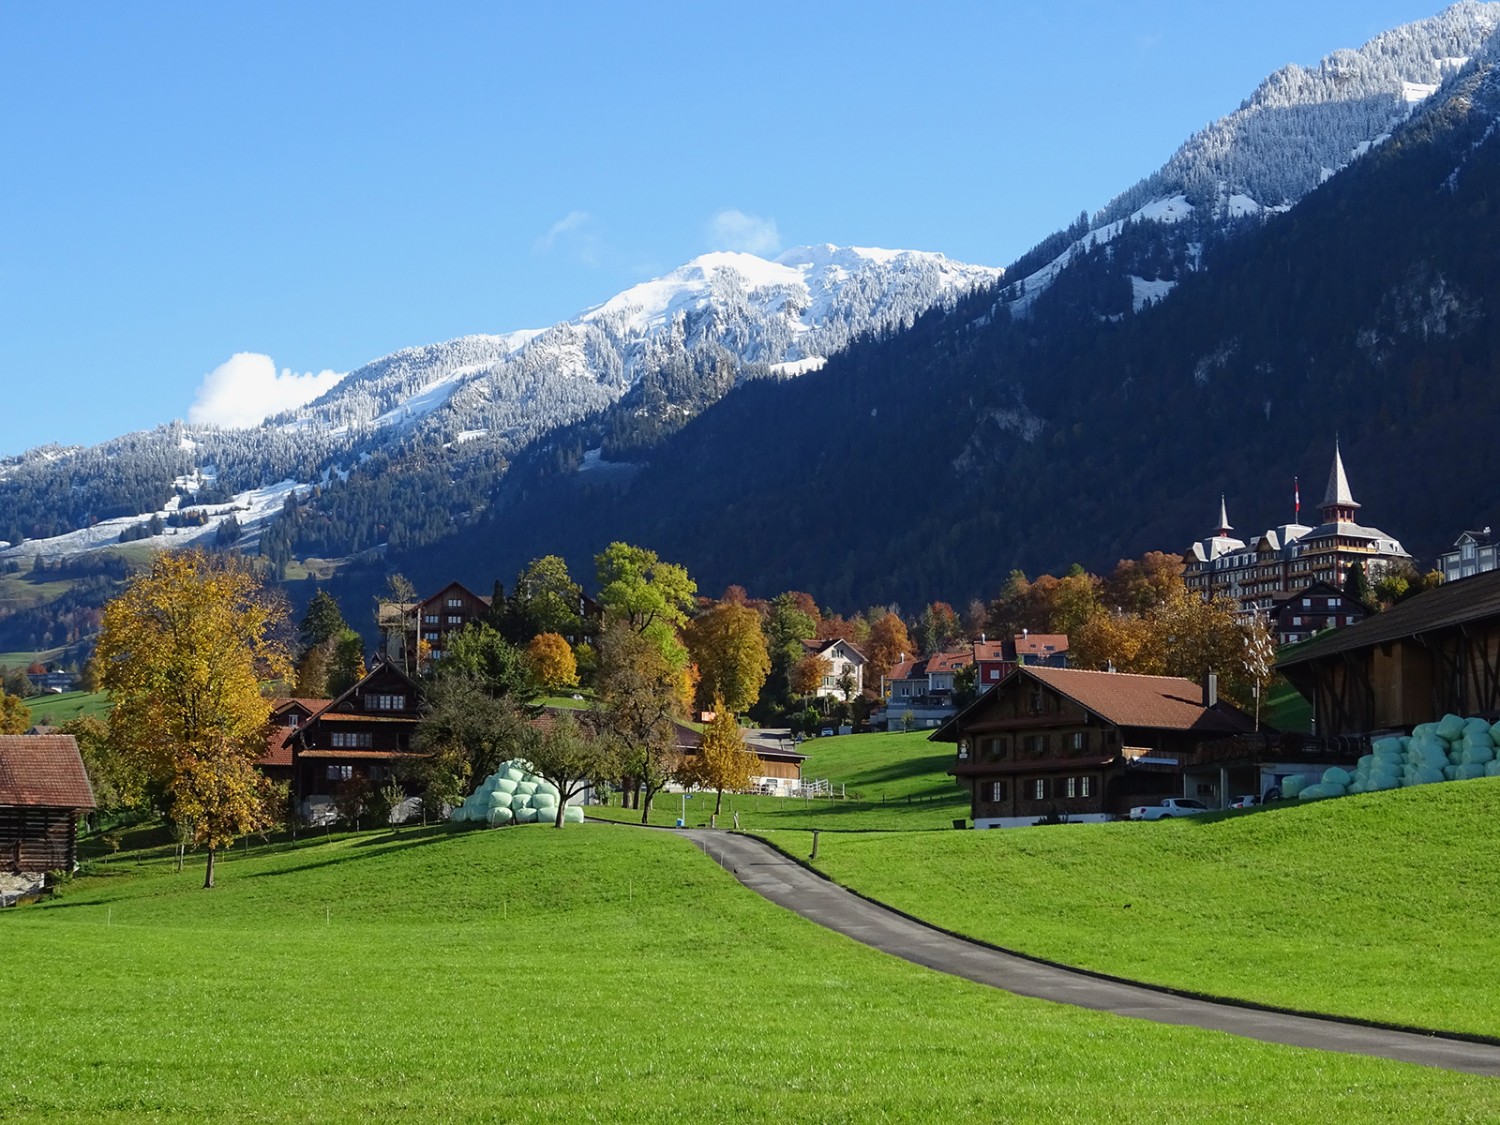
<point>771,874</point>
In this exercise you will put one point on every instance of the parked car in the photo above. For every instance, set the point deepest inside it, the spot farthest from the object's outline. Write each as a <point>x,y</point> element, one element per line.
<point>1172,806</point>
<point>1248,801</point>
<point>827,732</point>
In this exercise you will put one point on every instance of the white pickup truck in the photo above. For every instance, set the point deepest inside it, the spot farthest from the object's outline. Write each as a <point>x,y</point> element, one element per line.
<point>1170,807</point>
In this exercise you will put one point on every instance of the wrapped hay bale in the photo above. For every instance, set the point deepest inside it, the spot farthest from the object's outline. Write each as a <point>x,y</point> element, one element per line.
<point>504,785</point>
<point>1450,726</point>
<point>1450,772</point>
<point>1390,745</point>
<point>500,815</point>
<point>1366,763</point>
<point>573,814</point>
<point>1427,776</point>
<point>1313,793</point>
<point>1336,776</point>
<point>1292,786</point>
<point>458,815</point>
<point>543,801</point>
<point>500,801</point>
<point>1380,782</point>
<point>526,787</point>
<point>513,773</point>
<point>1492,769</point>
<point>1469,772</point>
<point>525,816</point>
<point>1478,756</point>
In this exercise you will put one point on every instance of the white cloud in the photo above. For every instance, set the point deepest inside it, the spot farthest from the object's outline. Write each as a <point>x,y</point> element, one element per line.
<point>576,234</point>
<point>245,389</point>
<point>734,230</point>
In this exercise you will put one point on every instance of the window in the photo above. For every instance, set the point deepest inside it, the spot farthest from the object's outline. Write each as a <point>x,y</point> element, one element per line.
<point>430,619</point>
<point>455,603</point>
<point>351,740</point>
<point>1072,787</point>
<point>1039,789</point>
<point>430,638</point>
<point>1306,603</point>
<point>1086,786</point>
<point>963,750</point>
<point>1036,744</point>
<point>293,720</point>
<point>1078,740</point>
<point>385,702</point>
<point>1334,602</point>
<point>455,619</point>
<point>340,773</point>
<point>999,791</point>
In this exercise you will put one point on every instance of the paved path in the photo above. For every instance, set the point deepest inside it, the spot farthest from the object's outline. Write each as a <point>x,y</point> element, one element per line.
<point>765,870</point>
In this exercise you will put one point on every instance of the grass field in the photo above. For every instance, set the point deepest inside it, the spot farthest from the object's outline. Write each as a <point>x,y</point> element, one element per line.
<point>59,709</point>
<point>1380,906</point>
<point>594,974</point>
<point>899,779</point>
<point>1286,708</point>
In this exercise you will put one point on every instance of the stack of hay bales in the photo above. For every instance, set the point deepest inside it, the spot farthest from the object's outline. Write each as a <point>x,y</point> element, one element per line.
<point>514,795</point>
<point>1452,749</point>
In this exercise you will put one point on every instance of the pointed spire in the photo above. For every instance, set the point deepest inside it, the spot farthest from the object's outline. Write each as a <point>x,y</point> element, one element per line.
<point>1338,501</point>
<point>1224,526</point>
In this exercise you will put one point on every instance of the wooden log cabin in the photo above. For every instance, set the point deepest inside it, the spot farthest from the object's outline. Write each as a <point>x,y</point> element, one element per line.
<point>1085,746</point>
<point>1436,653</point>
<point>43,791</point>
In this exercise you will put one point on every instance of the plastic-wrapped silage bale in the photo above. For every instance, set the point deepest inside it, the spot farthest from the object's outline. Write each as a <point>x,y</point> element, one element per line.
<point>1450,726</point>
<point>500,800</point>
<point>458,815</point>
<point>1390,745</point>
<point>1492,769</point>
<point>1469,771</point>
<point>1336,776</point>
<point>1292,786</point>
<point>1478,756</point>
<point>573,814</point>
<point>505,785</point>
<point>526,787</point>
<point>500,814</point>
<point>543,801</point>
<point>525,816</point>
<point>1313,793</point>
<point>1427,776</point>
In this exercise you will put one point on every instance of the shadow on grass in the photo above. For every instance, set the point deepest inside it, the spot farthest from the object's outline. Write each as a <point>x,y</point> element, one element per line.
<point>378,847</point>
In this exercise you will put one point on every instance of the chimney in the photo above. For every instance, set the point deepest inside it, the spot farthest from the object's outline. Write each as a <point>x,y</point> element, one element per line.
<point>1210,689</point>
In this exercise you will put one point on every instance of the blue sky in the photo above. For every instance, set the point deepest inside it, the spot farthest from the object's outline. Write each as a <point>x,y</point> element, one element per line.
<point>189,181</point>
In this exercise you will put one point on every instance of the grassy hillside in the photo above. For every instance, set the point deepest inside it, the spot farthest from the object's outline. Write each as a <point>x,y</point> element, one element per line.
<point>59,709</point>
<point>591,974</point>
<point>1379,906</point>
<point>894,782</point>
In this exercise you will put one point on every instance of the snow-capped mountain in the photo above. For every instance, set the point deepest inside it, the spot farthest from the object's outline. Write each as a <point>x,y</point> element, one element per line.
<point>784,316</point>
<point>1300,127</point>
<point>477,400</point>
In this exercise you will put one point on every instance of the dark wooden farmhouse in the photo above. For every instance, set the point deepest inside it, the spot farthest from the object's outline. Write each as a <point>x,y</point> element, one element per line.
<point>1083,745</point>
<point>1432,654</point>
<point>43,790</point>
<point>353,744</point>
<point>288,716</point>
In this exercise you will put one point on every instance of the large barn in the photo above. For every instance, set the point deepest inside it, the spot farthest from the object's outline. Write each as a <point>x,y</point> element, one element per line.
<point>43,790</point>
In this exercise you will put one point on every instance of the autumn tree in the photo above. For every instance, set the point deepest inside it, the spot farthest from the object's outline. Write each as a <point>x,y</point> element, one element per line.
<point>722,761</point>
<point>938,627</point>
<point>729,648</point>
<point>552,663</point>
<point>642,695</point>
<point>183,651</point>
<point>15,717</point>
<point>807,674</point>
<point>572,755</point>
<point>1135,585</point>
<point>889,640</point>
<point>117,781</point>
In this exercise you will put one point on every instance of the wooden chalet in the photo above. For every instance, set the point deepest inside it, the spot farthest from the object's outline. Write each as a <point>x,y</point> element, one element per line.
<point>288,716</point>
<point>1436,653</point>
<point>994,660</point>
<point>43,790</point>
<point>355,741</point>
<point>1297,615</point>
<point>1082,745</point>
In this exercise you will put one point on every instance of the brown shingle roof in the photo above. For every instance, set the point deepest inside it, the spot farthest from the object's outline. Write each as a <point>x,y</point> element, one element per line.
<point>1126,700</point>
<point>43,771</point>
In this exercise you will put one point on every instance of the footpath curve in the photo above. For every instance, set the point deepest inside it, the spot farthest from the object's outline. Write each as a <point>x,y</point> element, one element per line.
<point>787,883</point>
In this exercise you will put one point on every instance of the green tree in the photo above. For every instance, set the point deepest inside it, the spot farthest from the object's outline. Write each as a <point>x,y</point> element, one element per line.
<point>118,782</point>
<point>184,650</point>
<point>572,756</point>
<point>465,733</point>
<point>322,622</point>
<point>652,596</point>
<point>479,653</point>
<point>1356,585</point>
<point>545,600</point>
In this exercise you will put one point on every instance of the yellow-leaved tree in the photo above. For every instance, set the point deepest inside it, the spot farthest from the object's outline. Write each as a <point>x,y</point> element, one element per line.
<point>183,652</point>
<point>722,762</point>
<point>552,664</point>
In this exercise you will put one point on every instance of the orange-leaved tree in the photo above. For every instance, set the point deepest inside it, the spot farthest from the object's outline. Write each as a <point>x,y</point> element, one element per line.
<point>552,664</point>
<point>722,762</point>
<point>183,651</point>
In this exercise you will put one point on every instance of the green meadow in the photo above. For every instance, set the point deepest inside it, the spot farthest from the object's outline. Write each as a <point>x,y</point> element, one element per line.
<point>59,709</point>
<point>892,782</point>
<point>592,974</point>
<point>1381,906</point>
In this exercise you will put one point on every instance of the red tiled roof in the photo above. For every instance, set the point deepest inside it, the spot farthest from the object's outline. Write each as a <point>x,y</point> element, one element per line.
<point>1126,700</point>
<point>989,650</point>
<point>949,661</point>
<point>311,706</point>
<point>278,747</point>
<point>43,771</point>
<point>902,671</point>
<point>1041,644</point>
<point>357,755</point>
